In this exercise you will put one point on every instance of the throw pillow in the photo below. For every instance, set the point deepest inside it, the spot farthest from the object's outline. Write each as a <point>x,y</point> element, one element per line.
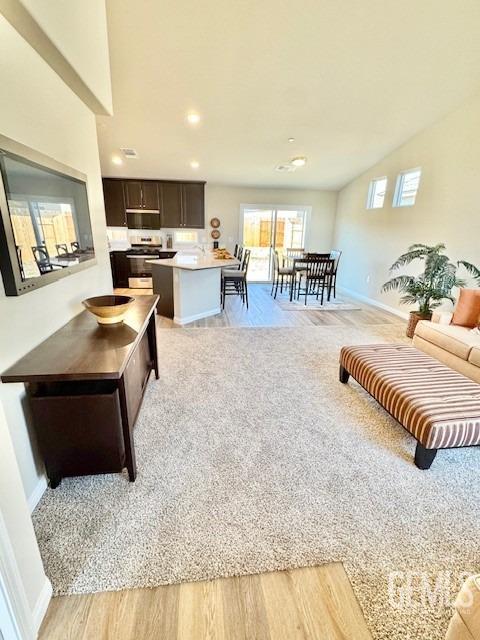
<point>467,311</point>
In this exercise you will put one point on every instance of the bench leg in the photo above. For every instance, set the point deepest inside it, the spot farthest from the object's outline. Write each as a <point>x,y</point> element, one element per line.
<point>343,375</point>
<point>424,457</point>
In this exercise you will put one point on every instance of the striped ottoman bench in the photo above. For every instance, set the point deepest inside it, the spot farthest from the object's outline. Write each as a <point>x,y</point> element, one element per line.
<point>438,406</point>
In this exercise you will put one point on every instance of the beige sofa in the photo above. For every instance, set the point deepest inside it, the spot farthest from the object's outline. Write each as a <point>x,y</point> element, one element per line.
<point>465,623</point>
<point>457,347</point>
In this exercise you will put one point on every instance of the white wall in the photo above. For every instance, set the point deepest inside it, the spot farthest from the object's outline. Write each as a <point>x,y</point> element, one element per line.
<point>224,203</point>
<point>16,516</point>
<point>39,110</point>
<point>71,37</point>
<point>79,30</point>
<point>447,208</point>
<point>43,113</point>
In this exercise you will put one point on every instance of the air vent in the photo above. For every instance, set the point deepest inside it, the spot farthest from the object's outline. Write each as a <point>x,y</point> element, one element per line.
<point>285,168</point>
<point>129,153</point>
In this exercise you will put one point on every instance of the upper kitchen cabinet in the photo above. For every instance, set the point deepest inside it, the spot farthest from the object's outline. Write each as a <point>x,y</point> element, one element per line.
<point>141,194</point>
<point>183,205</point>
<point>171,198</point>
<point>193,201</point>
<point>114,202</point>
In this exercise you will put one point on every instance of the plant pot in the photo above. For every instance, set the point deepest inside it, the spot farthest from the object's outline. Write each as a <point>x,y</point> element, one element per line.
<point>414,319</point>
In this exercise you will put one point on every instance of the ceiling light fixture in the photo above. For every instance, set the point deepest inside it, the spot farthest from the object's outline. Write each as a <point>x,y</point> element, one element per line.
<point>193,118</point>
<point>291,140</point>
<point>117,160</point>
<point>299,161</point>
<point>194,164</point>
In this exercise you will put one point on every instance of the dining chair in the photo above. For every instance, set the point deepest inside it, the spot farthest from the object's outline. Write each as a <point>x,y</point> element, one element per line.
<point>314,273</point>
<point>62,249</point>
<point>234,282</point>
<point>20,261</point>
<point>292,253</point>
<point>279,274</point>
<point>335,255</point>
<point>42,259</point>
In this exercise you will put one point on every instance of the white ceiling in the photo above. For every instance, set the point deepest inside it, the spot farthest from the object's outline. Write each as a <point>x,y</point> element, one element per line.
<point>350,80</point>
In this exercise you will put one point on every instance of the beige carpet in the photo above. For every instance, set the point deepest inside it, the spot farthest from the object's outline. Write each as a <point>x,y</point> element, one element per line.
<point>253,457</point>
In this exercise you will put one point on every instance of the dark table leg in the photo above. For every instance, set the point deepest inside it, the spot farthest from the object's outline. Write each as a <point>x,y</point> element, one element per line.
<point>127,433</point>
<point>152,342</point>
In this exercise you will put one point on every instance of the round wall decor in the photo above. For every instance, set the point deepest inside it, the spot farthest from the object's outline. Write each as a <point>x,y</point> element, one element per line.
<point>215,223</point>
<point>215,233</point>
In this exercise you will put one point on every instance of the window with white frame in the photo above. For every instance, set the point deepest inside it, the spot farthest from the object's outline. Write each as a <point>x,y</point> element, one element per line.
<point>376,193</point>
<point>186,237</point>
<point>406,188</point>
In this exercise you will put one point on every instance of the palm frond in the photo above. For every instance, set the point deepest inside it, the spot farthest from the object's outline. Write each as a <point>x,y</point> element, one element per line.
<point>399,283</point>
<point>471,268</point>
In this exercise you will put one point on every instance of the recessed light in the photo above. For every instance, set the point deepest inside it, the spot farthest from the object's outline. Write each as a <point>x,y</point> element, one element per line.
<point>117,160</point>
<point>193,118</point>
<point>194,164</point>
<point>291,139</point>
<point>299,161</point>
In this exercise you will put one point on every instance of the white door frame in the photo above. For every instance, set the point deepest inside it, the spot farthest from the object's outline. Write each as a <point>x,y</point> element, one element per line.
<point>276,207</point>
<point>279,207</point>
<point>13,599</point>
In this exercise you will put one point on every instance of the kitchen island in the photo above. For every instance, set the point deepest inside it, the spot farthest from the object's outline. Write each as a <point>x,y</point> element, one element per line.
<point>188,285</point>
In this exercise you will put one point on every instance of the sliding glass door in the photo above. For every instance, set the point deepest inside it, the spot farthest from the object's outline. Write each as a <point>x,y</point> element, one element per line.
<point>268,228</point>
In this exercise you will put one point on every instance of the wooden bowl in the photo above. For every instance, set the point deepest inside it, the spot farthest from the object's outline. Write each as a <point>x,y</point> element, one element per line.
<point>108,309</point>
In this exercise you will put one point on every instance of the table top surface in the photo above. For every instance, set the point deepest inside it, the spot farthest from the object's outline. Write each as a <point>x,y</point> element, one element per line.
<point>84,350</point>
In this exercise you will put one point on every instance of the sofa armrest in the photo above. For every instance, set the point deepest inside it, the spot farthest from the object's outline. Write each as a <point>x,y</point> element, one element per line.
<point>467,606</point>
<point>442,317</point>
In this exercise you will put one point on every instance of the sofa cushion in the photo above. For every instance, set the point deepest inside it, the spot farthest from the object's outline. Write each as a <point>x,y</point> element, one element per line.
<point>474,357</point>
<point>452,338</point>
<point>467,311</point>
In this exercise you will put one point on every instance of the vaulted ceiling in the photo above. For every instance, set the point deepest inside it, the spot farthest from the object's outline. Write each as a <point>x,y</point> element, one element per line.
<point>349,80</point>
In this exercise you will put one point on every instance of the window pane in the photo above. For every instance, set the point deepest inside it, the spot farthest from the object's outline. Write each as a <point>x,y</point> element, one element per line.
<point>376,193</point>
<point>407,187</point>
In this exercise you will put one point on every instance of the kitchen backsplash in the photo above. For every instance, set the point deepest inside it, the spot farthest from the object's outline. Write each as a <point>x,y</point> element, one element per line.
<point>121,238</point>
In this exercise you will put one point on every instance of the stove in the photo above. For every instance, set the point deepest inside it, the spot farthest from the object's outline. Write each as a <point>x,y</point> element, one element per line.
<point>140,272</point>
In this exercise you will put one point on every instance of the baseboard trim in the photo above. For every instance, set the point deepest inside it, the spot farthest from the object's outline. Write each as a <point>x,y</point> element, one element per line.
<point>41,606</point>
<point>375,303</point>
<point>197,316</point>
<point>36,495</point>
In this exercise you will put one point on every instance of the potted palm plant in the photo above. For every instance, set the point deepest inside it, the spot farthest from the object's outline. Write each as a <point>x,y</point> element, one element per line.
<point>429,289</point>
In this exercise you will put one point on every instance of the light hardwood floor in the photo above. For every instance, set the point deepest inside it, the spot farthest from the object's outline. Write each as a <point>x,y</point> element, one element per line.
<point>314,603</point>
<point>264,311</point>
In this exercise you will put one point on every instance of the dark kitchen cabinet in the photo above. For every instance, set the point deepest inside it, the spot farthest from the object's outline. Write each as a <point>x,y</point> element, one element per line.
<point>120,268</point>
<point>193,205</point>
<point>114,203</point>
<point>180,204</point>
<point>171,198</point>
<point>183,204</point>
<point>141,194</point>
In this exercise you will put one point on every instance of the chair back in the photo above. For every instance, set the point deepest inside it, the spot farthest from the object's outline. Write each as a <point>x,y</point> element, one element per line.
<point>42,259</point>
<point>20,261</point>
<point>75,246</point>
<point>239,253</point>
<point>295,253</point>
<point>246,260</point>
<point>62,249</point>
<point>317,255</point>
<point>335,256</point>
<point>235,251</point>
<point>316,267</point>
<point>276,261</point>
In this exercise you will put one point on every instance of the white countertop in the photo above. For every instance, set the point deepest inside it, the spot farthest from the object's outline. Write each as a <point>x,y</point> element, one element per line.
<point>194,262</point>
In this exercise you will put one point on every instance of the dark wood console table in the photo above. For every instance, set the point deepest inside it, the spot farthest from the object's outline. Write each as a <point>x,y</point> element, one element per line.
<point>85,386</point>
